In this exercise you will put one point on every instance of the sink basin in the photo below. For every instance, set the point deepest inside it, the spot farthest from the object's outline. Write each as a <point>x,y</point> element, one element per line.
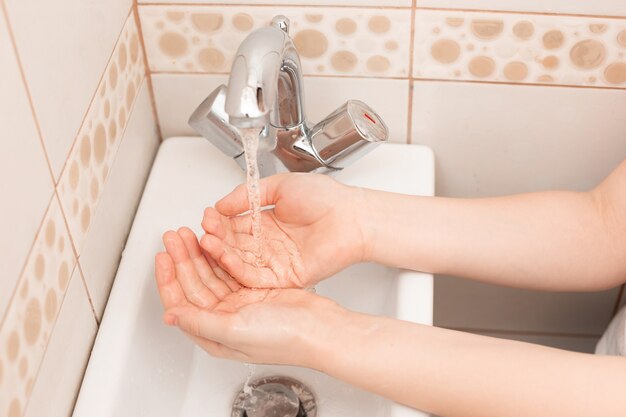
<point>139,367</point>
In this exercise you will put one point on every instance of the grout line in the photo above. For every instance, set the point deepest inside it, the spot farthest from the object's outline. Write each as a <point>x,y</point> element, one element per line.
<point>23,270</point>
<point>148,73</point>
<point>517,12</point>
<point>443,80</point>
<point>82,277</point>
<point>305,75</point>
<point>93,97</point>
<point>618,301</point>
<point>97,203</point>
<point>27,89</point>
<point>67,224</point>
<point>414,79</point>
<point>231,4</point>
<point>414,6</point>
<point>524,333</point>
<point>409,127</point>
<point>409,123</point>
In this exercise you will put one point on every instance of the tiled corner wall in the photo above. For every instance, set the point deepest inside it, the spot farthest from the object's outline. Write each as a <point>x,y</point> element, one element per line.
<point>512,95</point>
<point>79,136</point>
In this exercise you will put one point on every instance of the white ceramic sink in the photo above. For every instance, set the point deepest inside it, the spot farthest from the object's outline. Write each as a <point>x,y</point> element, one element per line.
<point>141,368</point>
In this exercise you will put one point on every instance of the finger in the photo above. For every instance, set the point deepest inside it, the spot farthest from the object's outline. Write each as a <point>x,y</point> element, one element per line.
<point>207,276</point>
<point>169,289</point>
<point>221,274</point>
<point>225,257</point>
<point>247,273</point>
<point>236,202</point>
<point>186,274</point>
<point>202,323</point>
<point>222,226</point>
<point>218,350</point>
<point>212,222</point>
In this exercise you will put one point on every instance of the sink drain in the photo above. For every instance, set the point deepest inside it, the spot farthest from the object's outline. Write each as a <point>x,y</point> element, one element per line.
<point>275,396</point>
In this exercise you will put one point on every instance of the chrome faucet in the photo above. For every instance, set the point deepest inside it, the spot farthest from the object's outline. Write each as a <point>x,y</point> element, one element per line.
<point>265,92</point>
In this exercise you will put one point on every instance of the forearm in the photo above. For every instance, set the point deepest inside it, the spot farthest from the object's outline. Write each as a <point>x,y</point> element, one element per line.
<point>551,240</point>
<point>452,374</point>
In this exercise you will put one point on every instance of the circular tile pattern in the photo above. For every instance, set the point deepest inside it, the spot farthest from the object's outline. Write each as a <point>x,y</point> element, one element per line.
<point>173,44</point>
<point>482,66</point>
<point>515,71</point>
<point>615,73</point>
<point>445,51</point>
<point>32,321</point>
<point>343,61</point>
<point>310,43</point>
<point>587,54</point>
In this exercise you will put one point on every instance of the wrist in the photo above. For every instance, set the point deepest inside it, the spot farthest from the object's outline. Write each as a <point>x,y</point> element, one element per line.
<point>335,350</point>
<point>369,219</point>
<point>322,345</point>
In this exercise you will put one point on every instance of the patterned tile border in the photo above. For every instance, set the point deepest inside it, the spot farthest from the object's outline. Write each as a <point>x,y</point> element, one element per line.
<point>520,48</point>
<point>92,155</point>
<point>331,41</point>
<point>32,313</point>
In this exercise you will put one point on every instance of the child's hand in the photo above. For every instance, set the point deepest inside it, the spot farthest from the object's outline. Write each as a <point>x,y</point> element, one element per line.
<point>313,231</point>
<point>262,326</point>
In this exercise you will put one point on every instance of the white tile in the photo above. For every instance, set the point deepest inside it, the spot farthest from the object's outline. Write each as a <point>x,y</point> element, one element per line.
<point>32,313</point>
<point>598,7</point>
<point>500,139</point>
<point>92,156</point>
<point>331,41</point>
<point>26,186</point>
<point>120,197</point>
<point>64,47</point>
<point>388,3</point>
<point>177,96</point>
<point>461,303</point>
<point>64,363</point>
<point>520,48</point>
<point>576,344</point>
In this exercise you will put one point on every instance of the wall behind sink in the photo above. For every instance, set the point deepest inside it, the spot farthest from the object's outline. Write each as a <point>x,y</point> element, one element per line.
<point>512,95</point>
<point>79,136</point>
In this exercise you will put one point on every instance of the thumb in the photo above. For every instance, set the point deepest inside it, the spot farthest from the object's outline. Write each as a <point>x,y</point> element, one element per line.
<point>200,323</point>
<point>236,202</point>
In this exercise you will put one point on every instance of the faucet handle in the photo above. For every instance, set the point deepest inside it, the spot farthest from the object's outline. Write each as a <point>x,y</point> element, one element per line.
<point>211,121</point>
<point>347,134</point>
<point>281,22</point>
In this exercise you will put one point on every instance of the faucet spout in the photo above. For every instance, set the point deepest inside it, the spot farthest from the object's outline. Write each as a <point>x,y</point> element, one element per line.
<point>265,93</point>
<point>265,85</point>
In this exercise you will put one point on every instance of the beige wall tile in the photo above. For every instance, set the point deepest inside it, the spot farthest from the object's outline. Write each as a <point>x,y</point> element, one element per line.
<point>598,7</point>
<point>177,96</point>
<point>61,372</point>
<point>26,186</point>
<point>331,41</point>
<point>114,215</point>
<point>90,160</point>
<point>64,47</point>
<point>500,139</point>
<point>576,344</point>
<point>32,313</point>
<point>388,3</point>
<point>519,48</point>
<point>462,303</point>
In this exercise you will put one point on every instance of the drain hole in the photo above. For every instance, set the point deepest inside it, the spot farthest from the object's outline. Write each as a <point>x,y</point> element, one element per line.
<point>275,396</point>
